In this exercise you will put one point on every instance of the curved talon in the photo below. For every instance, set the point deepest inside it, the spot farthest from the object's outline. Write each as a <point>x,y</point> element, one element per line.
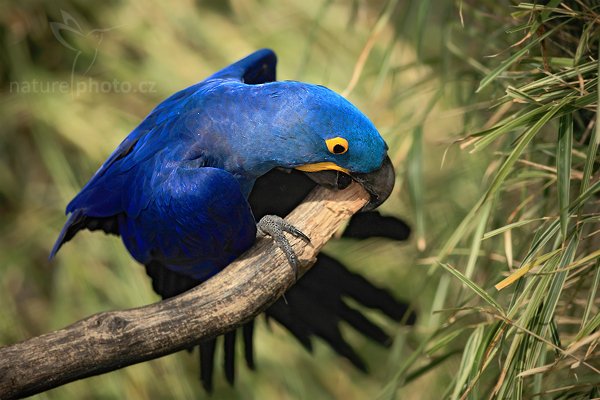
<point>275,226</point>
<point>291,229</point>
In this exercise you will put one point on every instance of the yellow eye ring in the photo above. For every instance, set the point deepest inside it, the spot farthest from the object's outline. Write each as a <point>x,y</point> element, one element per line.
<point>337,145</point>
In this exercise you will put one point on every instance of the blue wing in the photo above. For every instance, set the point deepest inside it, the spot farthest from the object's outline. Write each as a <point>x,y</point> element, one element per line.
<point>155,134</point>
<point>168,204</point>
<point>196,222</point>
<point>259,67</point>
<point>189,217</point>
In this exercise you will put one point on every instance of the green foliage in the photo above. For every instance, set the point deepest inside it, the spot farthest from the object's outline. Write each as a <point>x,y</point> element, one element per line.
<point>541,187</point>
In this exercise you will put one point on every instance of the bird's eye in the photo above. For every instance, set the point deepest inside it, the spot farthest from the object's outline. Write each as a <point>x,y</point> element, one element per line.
<point>337,145</point>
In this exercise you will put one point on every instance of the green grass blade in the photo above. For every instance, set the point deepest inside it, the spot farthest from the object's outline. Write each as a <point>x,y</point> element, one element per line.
<point>507,63</point>
<point>525,139</point>
<point>474,287</point>
<point>592,149</point>
<point>515,121</point>
<point>563,168</point>
<point>592,296</point>
<point>468,361</point>
<point>508,227</point>
<point>477,238</point>
<point>589,328</point>
<point>430,366</point>
<point>415,184</point>
<point>390,389</point>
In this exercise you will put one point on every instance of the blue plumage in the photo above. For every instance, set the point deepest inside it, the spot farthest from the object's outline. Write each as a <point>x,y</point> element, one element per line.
<point>176,188</point>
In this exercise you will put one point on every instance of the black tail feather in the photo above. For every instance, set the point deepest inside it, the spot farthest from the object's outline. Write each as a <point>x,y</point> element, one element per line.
<point>229,350</point>
<point>77,221</point>
<point>370,224</point>
<point>248,335</point>
<point>315,306</point>
<point>207,361</point>
<point>363,325</point>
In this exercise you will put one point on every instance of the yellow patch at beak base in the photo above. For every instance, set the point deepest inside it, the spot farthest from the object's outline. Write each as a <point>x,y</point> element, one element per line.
<point>321,166</point>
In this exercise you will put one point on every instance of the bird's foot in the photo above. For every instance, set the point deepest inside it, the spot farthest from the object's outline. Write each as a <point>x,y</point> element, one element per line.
<point>275,227</point>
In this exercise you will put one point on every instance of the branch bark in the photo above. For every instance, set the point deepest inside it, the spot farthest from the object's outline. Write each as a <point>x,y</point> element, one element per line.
<point>111,340</point>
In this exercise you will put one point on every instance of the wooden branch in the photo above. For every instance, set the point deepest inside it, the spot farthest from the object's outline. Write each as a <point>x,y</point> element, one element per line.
<point>111,340</point>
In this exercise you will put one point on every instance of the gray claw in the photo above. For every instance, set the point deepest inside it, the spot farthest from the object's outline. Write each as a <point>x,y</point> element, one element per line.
<point>275,226</point>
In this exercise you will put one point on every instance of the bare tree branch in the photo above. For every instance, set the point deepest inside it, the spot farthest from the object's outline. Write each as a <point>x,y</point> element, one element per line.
<point>111,340</point>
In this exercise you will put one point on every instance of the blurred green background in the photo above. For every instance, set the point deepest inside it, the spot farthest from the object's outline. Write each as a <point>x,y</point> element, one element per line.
<point>77,76</point>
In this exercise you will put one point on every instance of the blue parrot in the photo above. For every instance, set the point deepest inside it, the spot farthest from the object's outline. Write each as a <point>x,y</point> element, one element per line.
<point>177,187</point>
<point>181,190</point>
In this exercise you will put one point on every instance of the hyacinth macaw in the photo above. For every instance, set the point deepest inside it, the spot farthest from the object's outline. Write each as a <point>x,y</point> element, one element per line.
<point>185,188</point>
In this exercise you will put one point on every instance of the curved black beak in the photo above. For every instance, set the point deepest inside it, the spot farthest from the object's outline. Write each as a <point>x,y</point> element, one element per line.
<point>379,184</point>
